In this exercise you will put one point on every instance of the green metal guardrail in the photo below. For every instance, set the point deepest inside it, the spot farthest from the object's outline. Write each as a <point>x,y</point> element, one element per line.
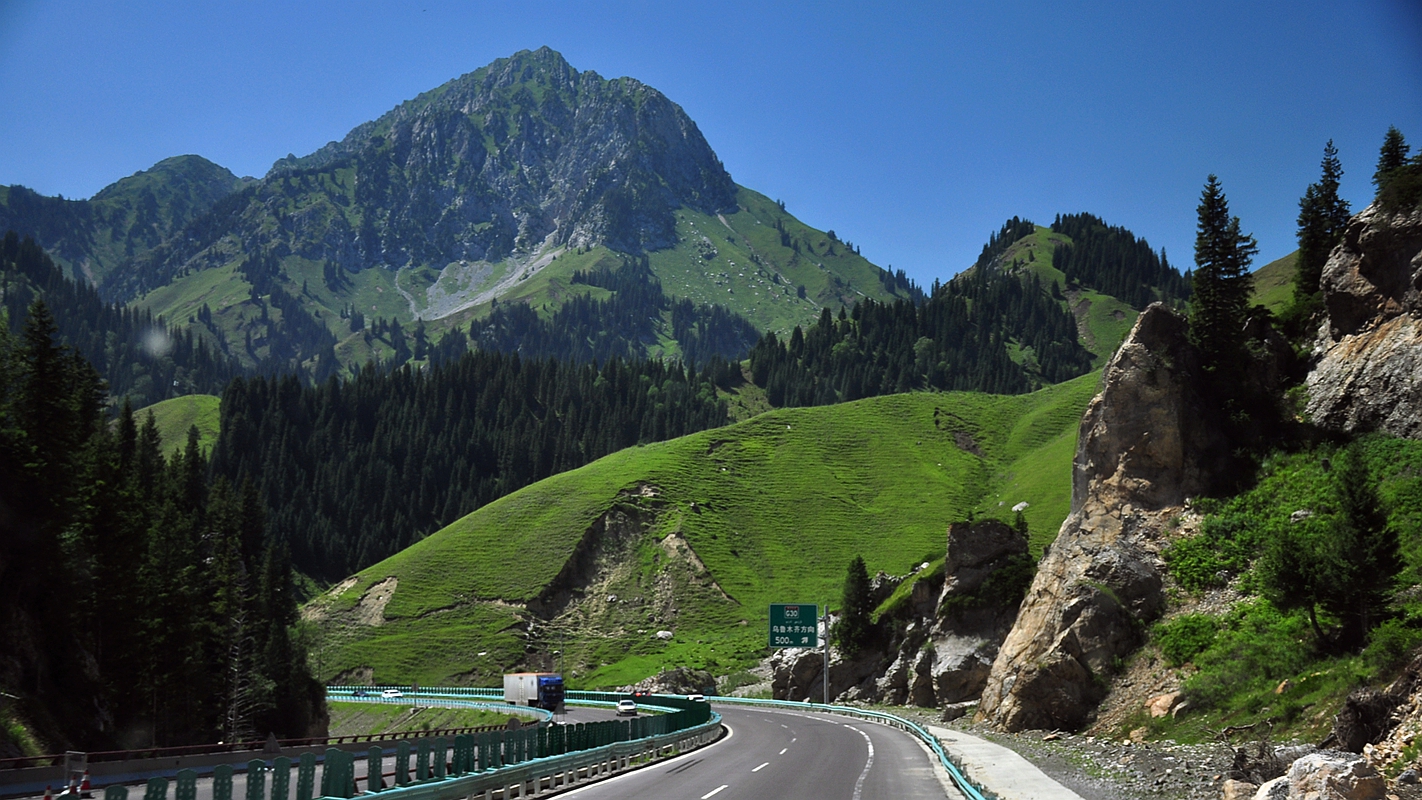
<point>542,756</point>
<point>972,790</point>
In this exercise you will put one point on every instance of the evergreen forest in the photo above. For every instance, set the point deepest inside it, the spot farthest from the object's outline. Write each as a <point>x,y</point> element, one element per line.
<point>355,471</point>
<point>145,603</point>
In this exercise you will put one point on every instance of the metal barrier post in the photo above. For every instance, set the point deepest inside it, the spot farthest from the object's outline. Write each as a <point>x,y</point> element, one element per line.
<point>281,778</point>
<point>222,782</point>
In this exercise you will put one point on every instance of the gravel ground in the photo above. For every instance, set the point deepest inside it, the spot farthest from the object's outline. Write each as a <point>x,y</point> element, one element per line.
<point>1104,769</point>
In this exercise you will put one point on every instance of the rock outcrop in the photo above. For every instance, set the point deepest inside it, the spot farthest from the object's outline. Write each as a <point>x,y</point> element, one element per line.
<point>1369,370</point>
<point>937,647</point>
<point>1145,445</point>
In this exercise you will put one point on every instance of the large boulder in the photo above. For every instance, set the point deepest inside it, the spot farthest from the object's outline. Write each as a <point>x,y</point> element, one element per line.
<point>1369,370</point>
<point>1331,775</point>
<point>1145,445</point>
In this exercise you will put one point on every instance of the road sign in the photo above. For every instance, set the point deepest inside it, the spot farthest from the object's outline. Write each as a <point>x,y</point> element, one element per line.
<point>794,625</point>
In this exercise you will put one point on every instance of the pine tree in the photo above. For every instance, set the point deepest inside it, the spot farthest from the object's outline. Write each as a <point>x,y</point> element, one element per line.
<point>1221,285</point>
<point>1323,217</point>
<point>1391,157</point>
<point>853,630</point>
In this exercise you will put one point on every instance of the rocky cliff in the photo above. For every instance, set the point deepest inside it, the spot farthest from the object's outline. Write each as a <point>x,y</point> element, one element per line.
<point>1145,446</point>
<point>1369,370</point>
<point>934,648</point>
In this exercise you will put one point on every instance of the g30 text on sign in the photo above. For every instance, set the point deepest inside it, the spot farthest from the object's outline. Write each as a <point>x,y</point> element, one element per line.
<point>794,625</point>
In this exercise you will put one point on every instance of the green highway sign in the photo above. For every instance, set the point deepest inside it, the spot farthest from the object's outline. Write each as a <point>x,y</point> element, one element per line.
<point>794,625</point>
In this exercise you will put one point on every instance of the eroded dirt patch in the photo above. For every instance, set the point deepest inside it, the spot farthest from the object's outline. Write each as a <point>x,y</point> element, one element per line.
<point>371,610</point>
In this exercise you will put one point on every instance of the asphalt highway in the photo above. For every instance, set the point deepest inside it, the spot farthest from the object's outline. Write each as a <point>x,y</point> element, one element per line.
<point>787,755</point>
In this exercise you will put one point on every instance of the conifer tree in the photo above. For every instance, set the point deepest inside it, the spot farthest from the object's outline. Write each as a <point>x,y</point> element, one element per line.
<point>1221,285</point>
<point>853,630</point>
<point>1391,157</point>
<point>1323,216</point>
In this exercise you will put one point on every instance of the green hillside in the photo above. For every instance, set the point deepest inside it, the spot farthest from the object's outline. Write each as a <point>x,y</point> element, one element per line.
<point>1102,321</point>
<point>1274,282</point>
<point>719,525</point>
<point>174,417</point>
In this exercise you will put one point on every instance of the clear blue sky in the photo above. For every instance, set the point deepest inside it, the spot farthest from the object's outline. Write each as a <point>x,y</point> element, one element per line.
<point>913,132</point>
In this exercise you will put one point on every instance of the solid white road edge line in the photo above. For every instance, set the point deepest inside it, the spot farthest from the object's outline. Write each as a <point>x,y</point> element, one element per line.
<point>859,784</point>
<point>729,733</point>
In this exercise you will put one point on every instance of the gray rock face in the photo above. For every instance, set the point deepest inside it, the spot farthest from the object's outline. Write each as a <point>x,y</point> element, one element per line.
<point>1143,448</point>
<point>975,551</point>
<point>1369,372</point>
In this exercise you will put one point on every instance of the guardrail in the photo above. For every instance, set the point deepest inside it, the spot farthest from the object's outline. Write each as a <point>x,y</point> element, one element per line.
<point>955,771</point>
<point>498,763</point>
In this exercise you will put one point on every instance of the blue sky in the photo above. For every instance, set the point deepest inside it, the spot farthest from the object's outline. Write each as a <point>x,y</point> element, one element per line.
<point>913,131</point>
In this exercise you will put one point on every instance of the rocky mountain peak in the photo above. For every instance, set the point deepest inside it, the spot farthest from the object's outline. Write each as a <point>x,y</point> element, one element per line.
<point>522,154</point>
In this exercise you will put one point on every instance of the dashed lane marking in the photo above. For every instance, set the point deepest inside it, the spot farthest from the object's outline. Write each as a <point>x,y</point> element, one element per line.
<point>714,792</point>
<point>761,767</point>
<point>782,752</point>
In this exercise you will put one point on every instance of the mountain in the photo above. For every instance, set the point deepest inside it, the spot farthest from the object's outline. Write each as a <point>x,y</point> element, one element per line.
<point>696,535</point>
<point>1274,282</point>
<point>496,186</point>
<point>91,238</point>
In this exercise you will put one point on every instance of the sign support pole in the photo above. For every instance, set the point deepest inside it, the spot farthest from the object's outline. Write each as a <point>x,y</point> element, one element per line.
<point>825,618</point>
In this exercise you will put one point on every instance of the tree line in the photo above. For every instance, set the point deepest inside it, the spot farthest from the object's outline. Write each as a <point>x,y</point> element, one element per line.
<point>962,338</point>
<point>139,357</point>
<point>354,471</point>
<point>1112,260</point>
<point>145,603</point>
<point>624,325</point>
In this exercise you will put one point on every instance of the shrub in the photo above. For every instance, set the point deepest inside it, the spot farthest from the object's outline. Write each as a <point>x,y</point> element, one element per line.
<point>1184,637</point>
<point>1255,645</point>
<point>1390,645</point>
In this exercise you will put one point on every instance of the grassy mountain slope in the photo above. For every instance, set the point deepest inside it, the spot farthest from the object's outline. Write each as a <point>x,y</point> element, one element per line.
<point>698,535</point>
<point>1274,282</point>
<point>175,416</point>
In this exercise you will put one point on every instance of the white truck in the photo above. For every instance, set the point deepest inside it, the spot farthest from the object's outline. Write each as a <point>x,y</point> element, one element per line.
<point>541,689</point>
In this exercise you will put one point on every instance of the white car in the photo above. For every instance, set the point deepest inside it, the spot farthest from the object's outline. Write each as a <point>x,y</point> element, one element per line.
<point>696,698</point>
<point>389,693</point>
<point>626,708</point>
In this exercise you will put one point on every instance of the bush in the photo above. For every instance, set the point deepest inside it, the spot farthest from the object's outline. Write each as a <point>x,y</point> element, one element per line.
<point>1390,645</point>
<point>1184,637</point>
<point>1255,646</point>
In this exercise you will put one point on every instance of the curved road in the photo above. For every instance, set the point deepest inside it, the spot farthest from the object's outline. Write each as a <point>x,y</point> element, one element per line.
<point>787,755</point>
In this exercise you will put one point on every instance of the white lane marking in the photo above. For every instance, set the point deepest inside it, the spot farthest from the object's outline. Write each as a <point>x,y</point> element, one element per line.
<point>786,727</point>
<point>714,792</point>
<point>633,773</point>
<point>761,767</point>
<point>859,784</point>
<point>794,739</point>
<point>782,752</point>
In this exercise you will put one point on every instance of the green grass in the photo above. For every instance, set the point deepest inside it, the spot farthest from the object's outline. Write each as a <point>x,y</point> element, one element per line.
<point>365,719</point>
<point>775,508</point>
<point>175,416</point>
<point>1274,282</point>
